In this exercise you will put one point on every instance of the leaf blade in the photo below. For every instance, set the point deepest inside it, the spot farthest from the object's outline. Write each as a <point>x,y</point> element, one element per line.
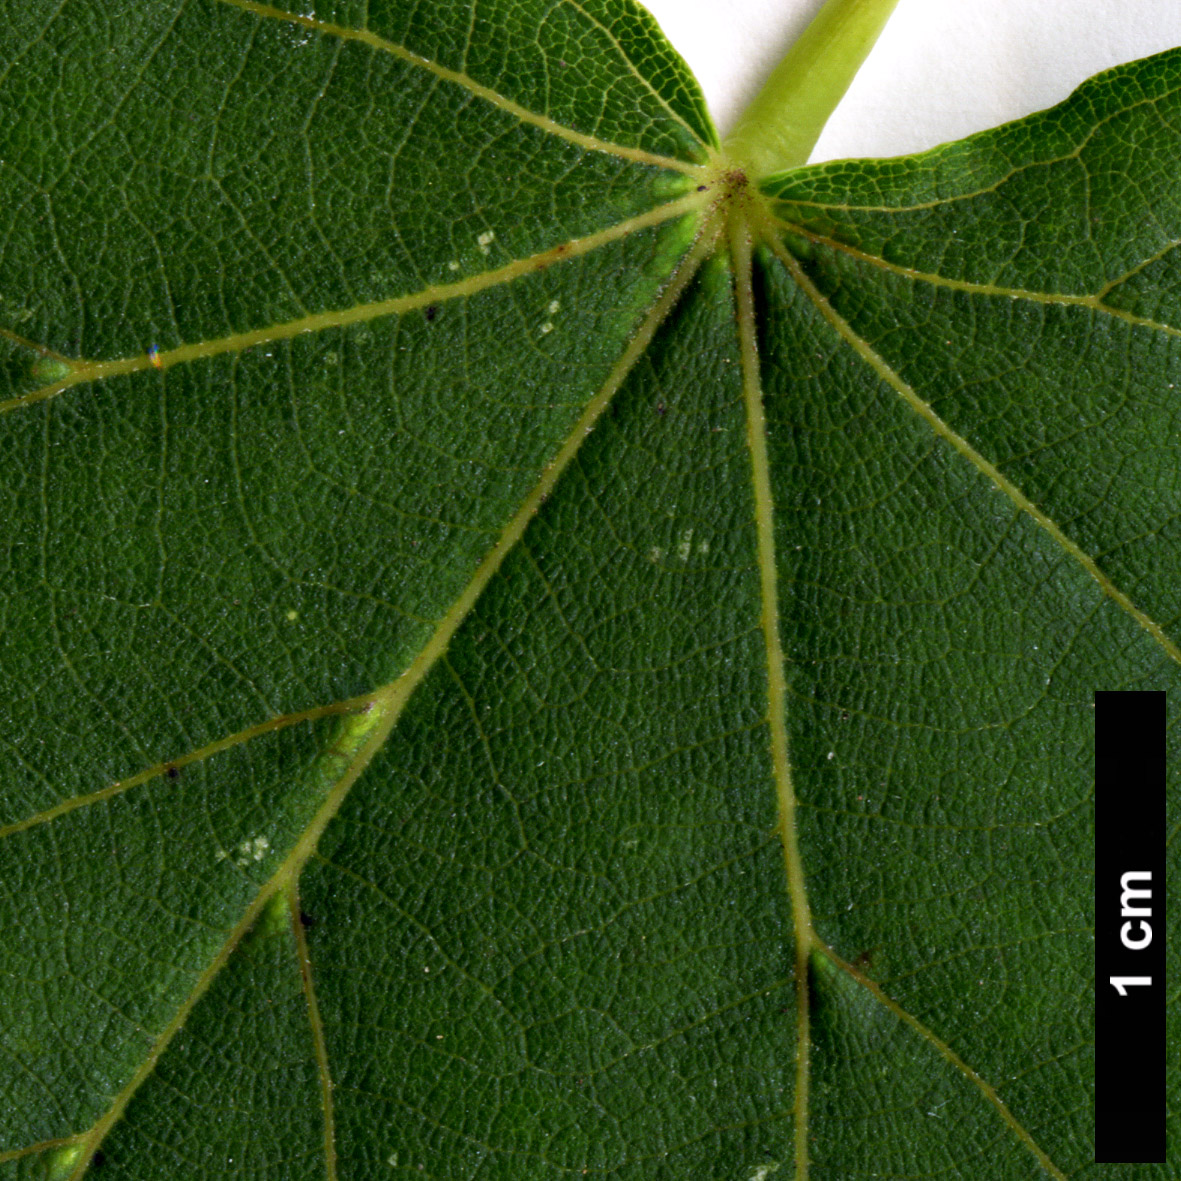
<point>552,780</point>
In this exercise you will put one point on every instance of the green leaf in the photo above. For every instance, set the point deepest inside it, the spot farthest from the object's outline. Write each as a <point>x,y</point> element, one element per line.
<point>529,652</point>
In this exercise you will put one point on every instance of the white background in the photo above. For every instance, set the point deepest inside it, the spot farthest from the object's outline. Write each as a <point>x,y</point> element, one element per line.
<point>942,69</point>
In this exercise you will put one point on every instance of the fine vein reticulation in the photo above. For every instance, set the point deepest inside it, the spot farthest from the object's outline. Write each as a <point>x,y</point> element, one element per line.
<point>364,733</point>
<point>729,219</point>
<point>590,142</point>
<point>875,361</point>
<point>368,728</point>
<point>372,717</point>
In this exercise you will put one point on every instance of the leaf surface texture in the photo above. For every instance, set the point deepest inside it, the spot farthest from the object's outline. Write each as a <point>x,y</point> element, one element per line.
<point>529,653</point>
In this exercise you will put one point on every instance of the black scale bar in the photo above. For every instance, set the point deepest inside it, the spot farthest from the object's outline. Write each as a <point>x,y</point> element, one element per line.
<point>1130,928</point>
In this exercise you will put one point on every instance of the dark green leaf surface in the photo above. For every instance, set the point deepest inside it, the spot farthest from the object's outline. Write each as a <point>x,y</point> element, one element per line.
<point>527,655</point>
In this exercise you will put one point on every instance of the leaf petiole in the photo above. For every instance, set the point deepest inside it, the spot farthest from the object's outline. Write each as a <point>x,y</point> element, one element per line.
<point>780,127</point>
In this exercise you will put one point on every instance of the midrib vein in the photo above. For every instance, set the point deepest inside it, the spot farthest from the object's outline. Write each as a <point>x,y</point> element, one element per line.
<point>1093,302</point>
<point>364,734</point>
<point>590,142</point>
<point>879,365</point>
<point>950,1055</point>
<point>82,371</point>
<point>756,435</point>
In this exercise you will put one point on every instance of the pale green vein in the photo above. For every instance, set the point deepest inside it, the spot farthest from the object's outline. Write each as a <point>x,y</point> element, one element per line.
<point>926,157</point>
<point>756,436</point>
<point>63,1142</point>
<point>46,23</point>
<point>986,1089</point>
<point>1094,302</point>
<point>175,766</point>
<point>1155,256</point>
<point>363,735</point>
<point>920,206</point>
<point>317,1028</point>
<point>82,371</point>
<point>878,364</point>
<point>645,82</point>
<point>590,142</point>
<point>32,346</point>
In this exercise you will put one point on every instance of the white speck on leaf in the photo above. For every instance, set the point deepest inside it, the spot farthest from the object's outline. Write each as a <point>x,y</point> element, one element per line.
<point>686,545</point>
<point>485,240</point>
<point>251,849</point>
<point>762,1172</point>
<point>547,327</point>
<point>554,304</point>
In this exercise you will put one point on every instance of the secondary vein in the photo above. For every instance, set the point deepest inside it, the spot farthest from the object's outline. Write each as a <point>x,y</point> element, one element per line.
<point>82,371</point>
<point>317,1028</point>
<point>590,142</point>
<point>170,766</point>
<point>364,734</point>
<point>880,366</point>
<point>32,345</point>
<point>645,82</point>
<point>41,1146</point>
<point>934,153</point>
<point>948,1053</point>
<point>1094,302</point>
<point>756,433</point>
